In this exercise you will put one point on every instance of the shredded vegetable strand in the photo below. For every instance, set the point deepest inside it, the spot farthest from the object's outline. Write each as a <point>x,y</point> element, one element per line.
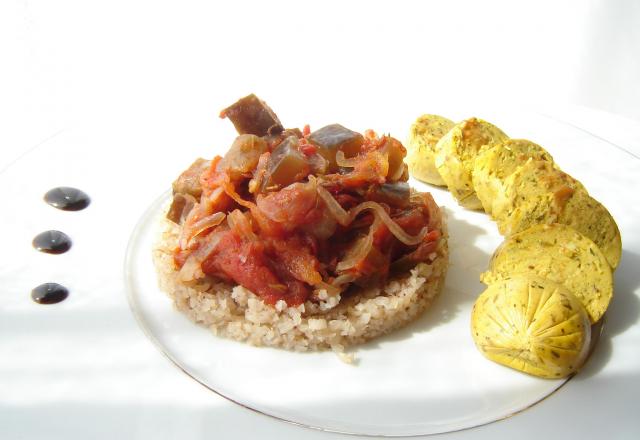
<point>333,206</point>
<point>394,228</point>
<point>202,225</point>
<point>343,161</point>
<point>241,225</point>
<point>345,218</point>
<point>360,250</point>
<point>192,268</point>
<point>341,280</point>
<point>231,192</point>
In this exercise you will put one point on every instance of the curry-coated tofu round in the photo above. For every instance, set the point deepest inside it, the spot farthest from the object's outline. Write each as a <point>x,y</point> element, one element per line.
<point>455,156</point>
<point>590,217</point>
<point>532,325</point>
<point>493,165</point>
<point>424,134</point>
<point>561,254</point>
<point>534,193</point>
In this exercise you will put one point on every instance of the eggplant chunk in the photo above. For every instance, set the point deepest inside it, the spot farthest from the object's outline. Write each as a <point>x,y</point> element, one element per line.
<point>189,181</point>
<point>286,165</point>
<point>250,115</point>
<point>273,140</point>
<point>393,194</point>
<point>242,157</point>
<point>180,207</point>
<point>335,137</point>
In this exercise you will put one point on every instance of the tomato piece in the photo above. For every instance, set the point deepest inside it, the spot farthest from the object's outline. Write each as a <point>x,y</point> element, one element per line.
<point>308,149</point>
<point>244,263</point>
<point>289,206</point>
<point>297,259</point>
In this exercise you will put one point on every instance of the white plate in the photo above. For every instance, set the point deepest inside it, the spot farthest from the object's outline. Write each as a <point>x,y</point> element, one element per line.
<point>424,379</point>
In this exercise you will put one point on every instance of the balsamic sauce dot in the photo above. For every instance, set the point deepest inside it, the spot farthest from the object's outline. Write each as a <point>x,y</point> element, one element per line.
<point>52,242</point>
<point>67,198</point>
<point>49,293</point>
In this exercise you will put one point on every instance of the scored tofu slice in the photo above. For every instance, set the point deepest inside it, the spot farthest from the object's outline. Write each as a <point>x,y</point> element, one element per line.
<point>533,325</point>
<point>561,254</point>
<point>455,156</point>
<point>424,134</point>
<point>535,193</point>
<point>589,217</point>
<point>493,165</point>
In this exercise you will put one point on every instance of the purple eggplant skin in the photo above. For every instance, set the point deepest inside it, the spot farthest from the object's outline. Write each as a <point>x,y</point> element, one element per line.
<point>286,165</point>
<point>251,115</point>
<point>334,137</point>
<point>189,181</point>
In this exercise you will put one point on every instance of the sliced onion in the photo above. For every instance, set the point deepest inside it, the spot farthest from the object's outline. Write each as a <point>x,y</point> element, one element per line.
<point>207,202</point>
<point>337,285</point>
<point>192,230</point>
<point>206,223</point>
<point>394,228</point>
<point>256,182</point>
<point>357,253</point>
<point>333,206</point>
<point>239,223</point>
<point>343,279</point>
<point>344,162</point>
<point>360,249</point>
<point>192,268</point>
<point>345,218</point>
<point>231,192</point>
<point>398,173</point>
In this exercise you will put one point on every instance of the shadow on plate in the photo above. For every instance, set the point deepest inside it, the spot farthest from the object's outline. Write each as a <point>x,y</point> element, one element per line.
<point>623,313</point>
<point>624,310</point>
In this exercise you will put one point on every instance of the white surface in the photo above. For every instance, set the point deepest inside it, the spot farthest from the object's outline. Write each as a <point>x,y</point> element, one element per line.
<point>147,78</point>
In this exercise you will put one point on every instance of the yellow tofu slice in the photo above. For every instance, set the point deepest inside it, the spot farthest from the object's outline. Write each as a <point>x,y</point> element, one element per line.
<point>493,165</point>
<point>589,217</point>
<point>455,156</point>
<point>532,325</point>
<point>535,193</point>
<point>424,134</point>
<point>561,254</point>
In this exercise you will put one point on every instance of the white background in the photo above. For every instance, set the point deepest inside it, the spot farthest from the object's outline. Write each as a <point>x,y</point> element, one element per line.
<point>159,62</point>
<point>169,67</point>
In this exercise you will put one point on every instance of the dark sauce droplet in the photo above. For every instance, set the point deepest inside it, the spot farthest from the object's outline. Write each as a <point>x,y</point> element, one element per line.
<point>52,242</point>
<point>67,198</point>
<point>49,293</point>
